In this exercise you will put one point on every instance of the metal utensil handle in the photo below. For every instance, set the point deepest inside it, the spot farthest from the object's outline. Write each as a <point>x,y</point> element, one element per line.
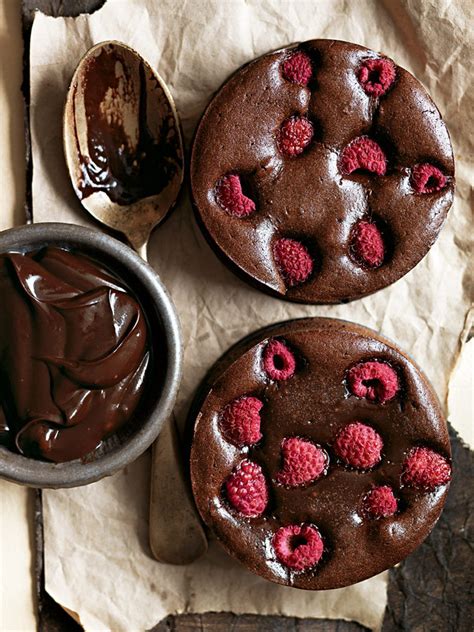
<point>176,532</point>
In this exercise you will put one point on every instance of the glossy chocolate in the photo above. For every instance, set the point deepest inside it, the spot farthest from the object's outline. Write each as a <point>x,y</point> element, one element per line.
<point>125,159</point>
<point>74,354</point>
<point>306,197</point>
<point>315,404</point>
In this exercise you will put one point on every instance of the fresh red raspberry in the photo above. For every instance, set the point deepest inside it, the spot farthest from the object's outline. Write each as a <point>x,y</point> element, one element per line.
<point>426,178</point>
<point>359,445</point>
<point>231,198</point>
<point>425,468</point>
<point>240,421</point>
<point>303,462</point>
<point>278,361</point>
<point>375,381</point>
<point>298,546</point>
<point>298,68</point>
<point>380,502</point>
<point>247,490</point>
<point>365,154</point>
<point>376,76</point>
<point>367,244</point>
<point>295,135</point>
<point>293,259</point>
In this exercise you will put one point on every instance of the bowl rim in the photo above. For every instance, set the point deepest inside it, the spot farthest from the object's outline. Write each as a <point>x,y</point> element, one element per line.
<point>35,473</point>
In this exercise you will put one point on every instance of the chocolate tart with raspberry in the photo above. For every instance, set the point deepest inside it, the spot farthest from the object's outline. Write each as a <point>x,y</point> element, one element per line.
<point>322,172</point>
<point>320,455</point>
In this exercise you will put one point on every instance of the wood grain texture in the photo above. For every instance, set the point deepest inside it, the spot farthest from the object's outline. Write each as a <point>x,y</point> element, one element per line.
<point>227,622</point>
<point>433,589</point>
<point>12,150</point>
<point>57,8</point>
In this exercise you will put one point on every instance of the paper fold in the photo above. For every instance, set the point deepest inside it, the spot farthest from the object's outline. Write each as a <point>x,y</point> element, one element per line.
<point>98,562</point>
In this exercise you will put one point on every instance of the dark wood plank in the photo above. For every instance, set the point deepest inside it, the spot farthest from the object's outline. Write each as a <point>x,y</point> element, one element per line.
<point>434,587</point>
<point>58,8</point>
<point>227,622</point>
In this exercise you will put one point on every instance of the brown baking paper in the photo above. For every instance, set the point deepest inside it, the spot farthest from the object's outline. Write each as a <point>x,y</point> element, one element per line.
<point>98,562</point>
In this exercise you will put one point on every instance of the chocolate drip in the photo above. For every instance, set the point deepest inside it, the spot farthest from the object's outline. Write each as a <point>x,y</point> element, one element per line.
<point>117,104</point>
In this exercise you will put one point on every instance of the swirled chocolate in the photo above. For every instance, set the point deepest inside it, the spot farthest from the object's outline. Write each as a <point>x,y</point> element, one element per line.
<point>128,144</point>
<point>73,354</point>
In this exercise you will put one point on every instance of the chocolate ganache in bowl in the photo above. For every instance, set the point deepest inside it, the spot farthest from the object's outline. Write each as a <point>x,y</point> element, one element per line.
<point>89,368</point>
<point>74,353</point>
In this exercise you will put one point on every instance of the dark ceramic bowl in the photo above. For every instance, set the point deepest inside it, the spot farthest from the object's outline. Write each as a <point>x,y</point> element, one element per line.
<point>157,402</point>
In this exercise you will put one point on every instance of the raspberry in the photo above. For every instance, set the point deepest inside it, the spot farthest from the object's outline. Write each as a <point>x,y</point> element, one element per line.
<point>294,260</point>
<point>424,468</point>
<point>303,462</point>
<point>426,178</point>
<point>298,546</point>
<point>246,489</point>
<point>278,361</point>
<point>376,381</point>
<point>367,244</point>
<point>230,197</point>
<point>297,68</point>
<point>365,154</point>
<point>376,76</point>
<point>359,445</point>
<point>380,502</point>
<point>295,135</point>
<point>240,421</point>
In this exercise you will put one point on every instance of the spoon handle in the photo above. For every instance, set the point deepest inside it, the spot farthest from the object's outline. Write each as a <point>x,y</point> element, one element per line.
<point>176,533</point>
<point>142,250</point>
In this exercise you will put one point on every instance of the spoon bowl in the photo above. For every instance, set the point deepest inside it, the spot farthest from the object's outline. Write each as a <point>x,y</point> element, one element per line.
<point>123,141</point>
<point>124,152</point>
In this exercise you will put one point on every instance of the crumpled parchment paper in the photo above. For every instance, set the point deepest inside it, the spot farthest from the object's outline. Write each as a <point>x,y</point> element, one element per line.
<point>98,562</point>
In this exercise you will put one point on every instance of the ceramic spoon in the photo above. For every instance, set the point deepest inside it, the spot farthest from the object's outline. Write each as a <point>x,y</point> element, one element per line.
<point>124,152</point>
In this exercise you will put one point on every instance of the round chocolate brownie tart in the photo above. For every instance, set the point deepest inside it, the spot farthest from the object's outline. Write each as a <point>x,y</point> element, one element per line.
<point>320,455</point>
<point>322,172</point>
